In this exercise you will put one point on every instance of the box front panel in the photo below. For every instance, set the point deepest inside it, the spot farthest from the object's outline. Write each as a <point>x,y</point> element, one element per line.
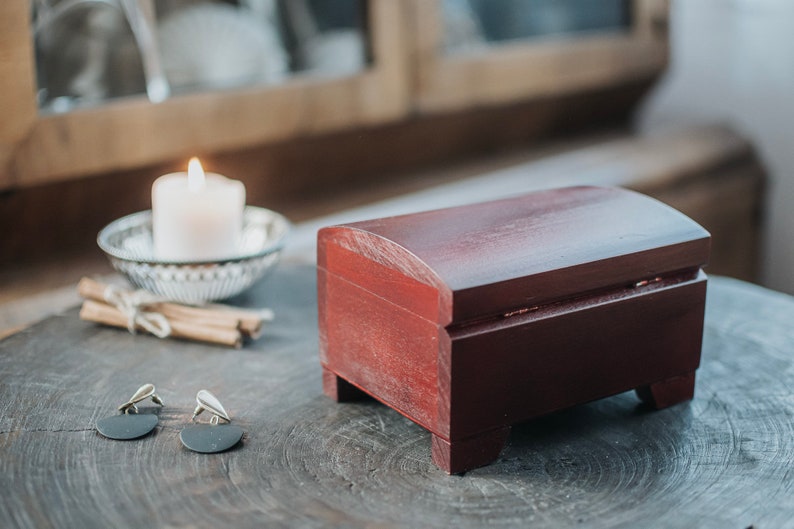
<point>566,354</point>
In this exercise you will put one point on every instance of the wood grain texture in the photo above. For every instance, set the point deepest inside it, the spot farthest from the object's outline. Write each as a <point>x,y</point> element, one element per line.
<point>387,351</point>
<point>723,460</point>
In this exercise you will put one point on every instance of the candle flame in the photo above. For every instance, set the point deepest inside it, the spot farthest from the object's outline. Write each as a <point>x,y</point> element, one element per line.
<point>195,175</point>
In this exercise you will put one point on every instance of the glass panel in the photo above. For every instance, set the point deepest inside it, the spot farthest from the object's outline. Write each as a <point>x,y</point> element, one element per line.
<point>469,24</point>
<point>89,51</point>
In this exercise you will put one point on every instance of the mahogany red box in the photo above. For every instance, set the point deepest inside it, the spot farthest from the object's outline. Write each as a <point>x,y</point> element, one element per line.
<point>469,319</point>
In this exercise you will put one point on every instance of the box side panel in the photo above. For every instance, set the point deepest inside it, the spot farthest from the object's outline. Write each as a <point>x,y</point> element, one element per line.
<point>559,356</point>
<point>412,295</point>
<point>383,349</point>
<point>322,314</point>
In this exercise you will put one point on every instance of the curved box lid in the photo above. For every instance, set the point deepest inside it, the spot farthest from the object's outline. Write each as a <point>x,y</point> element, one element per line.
<point>495,257</point>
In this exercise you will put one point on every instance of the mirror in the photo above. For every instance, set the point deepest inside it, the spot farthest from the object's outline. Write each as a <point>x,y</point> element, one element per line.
<point>91,51</point>
<point>474,24</point>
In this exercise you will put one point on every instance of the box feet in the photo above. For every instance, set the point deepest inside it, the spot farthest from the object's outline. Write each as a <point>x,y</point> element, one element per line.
<point>669,391</point>
<point>459,456</point>
<point>340,389</point>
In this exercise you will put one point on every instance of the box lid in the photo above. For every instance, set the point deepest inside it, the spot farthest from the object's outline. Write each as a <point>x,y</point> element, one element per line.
<point>523,252</point>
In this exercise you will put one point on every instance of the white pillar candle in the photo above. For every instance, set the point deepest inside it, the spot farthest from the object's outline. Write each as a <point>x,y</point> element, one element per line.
<point>197,216</point>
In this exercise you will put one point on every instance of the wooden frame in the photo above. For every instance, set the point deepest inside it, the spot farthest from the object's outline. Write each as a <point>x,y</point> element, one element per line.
<point>530,69</point>
<point>134,132</point>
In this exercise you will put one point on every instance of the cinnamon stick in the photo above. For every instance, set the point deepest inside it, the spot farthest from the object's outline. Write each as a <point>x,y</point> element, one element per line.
<point>91,289</point>
<point>248,322</point>
<point>99,312</point>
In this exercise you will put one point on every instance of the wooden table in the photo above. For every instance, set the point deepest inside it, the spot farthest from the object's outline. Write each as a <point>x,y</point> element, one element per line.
<point>724,460</point>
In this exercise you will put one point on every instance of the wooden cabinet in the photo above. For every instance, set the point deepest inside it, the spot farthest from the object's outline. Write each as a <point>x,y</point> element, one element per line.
<point>409,75</point>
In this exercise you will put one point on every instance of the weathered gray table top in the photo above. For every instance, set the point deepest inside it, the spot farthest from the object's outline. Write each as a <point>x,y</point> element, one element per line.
<point>724,460</point>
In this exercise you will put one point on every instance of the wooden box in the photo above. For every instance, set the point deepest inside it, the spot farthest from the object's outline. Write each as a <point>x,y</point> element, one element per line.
<point>467,320</point>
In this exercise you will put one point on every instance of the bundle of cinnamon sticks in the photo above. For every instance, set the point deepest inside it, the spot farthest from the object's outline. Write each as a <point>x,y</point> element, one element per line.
<point>218,324</point>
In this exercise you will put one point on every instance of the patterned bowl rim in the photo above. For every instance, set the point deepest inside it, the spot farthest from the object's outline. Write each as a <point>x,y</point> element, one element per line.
<point>277,225</point>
